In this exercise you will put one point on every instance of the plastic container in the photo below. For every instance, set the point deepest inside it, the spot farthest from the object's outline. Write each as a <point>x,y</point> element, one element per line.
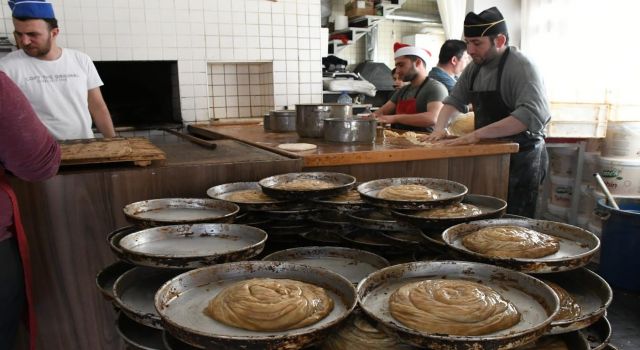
<point>584,120</point>
<point>562,160</point>
<point>345,99</point>
<point>589,166</point>
<point>622,140</point>
<point>558,211</point>
<point>621,175</point>
<point>619,254</point>
<point>561,190</point>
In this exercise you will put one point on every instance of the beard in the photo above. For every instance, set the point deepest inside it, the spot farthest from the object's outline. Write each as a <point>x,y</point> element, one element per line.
<point>488,56</point>
<point>410,75</point>
<point>38,51</point>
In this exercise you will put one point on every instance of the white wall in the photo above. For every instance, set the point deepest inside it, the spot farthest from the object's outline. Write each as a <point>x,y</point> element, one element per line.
<point>197,33</point>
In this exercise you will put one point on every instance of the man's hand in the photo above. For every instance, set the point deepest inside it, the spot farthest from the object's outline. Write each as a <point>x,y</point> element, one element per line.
<point>436,135</point>
<point>464,140</point>
<point>389,119</point>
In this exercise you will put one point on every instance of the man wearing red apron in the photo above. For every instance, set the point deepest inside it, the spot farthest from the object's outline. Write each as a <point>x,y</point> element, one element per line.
<point>509,101</point>
<point>415,106</point>
<point>29,152</point>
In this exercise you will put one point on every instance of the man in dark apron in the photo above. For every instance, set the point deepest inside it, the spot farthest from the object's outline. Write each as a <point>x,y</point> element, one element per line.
<point>509,101</point>
<point>415,106</point>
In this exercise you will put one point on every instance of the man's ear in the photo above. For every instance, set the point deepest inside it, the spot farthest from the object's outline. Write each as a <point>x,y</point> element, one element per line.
<point>500,40</point>
<point>55,32</point>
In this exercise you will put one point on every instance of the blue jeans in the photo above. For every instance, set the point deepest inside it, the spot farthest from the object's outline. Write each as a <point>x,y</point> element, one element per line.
<point>12,293</point>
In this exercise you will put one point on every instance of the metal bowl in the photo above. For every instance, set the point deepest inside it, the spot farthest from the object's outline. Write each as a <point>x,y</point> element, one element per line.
<point>450,192</point>
<point>341,184</point>
<point>282,120</point>
<point>352,264</point>
<point>536,302</point>
<point>491,208</point>
<point>352,130</point>
<point>192,246</point>
<point>180,303</point>
<point>223,192</point>
<point>589,290</point>
<point>577,246</point>
<point>167,211</point>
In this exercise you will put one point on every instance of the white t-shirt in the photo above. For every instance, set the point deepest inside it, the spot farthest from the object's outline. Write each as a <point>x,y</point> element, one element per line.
<point>58,90</point>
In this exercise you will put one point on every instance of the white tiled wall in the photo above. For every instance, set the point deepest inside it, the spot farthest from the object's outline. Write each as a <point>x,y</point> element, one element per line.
<point>241,89</point>
<point>200,34</point>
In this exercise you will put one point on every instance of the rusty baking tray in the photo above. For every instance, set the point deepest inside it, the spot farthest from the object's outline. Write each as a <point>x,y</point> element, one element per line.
<point>378,219</point>
<point>138,336</point>
<point>173,211</point>
<point>341,184</point>
<point>115,236</point>
<point>343,203</point>
<point>173,343</point>
<point>223,192</point>
<point>181,301</point>
<point>598,334</point>
<point>577,246</point>
<point>108,276</point>
<point>536,302</point>
<point>449,192</point>
<point>192,246</point>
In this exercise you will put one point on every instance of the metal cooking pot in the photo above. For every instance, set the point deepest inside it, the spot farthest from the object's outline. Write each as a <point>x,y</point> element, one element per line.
<point>282,120</point>
<point>310,117</point>
<point>265,122</point>
<point>360,130</point>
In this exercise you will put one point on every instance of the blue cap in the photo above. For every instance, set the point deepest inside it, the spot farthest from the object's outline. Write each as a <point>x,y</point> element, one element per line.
<point>40,9</point>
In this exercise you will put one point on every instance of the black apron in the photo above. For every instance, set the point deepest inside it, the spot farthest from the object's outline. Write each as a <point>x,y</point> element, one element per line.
<point>528,167</point>
<point>409,106</point>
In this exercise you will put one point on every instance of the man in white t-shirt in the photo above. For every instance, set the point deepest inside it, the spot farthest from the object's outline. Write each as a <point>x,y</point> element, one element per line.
<point>62,85</point>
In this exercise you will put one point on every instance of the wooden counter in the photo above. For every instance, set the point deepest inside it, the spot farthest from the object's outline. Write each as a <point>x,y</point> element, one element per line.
<point>68,217</point>
<point>484,168</point>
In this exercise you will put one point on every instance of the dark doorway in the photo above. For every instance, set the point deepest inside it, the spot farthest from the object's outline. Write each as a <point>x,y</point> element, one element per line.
<point>141,94</point>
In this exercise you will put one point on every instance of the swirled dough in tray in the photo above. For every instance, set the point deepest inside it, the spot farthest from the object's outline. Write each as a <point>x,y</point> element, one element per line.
<point>304,184</point>
<point>455,307</point>
<point>409,192</point>
<point>569,308</point>
<point>457,210</point>
<point>359,334</point>
<point>268,304</point>
<point>248,196</point>
<point>509,241</point>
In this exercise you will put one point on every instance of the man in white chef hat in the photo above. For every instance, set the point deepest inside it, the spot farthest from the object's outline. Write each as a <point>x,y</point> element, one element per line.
<point>416,105</point>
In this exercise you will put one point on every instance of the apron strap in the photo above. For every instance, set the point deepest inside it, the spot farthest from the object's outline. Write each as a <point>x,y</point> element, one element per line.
<point>23,247</point>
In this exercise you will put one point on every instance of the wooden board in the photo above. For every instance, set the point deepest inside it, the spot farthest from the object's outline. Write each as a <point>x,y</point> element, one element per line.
<point>138,150</point>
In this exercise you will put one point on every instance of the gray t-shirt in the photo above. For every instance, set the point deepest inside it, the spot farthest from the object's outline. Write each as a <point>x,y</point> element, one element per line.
<point>432,91</point>
<point>522,89</point>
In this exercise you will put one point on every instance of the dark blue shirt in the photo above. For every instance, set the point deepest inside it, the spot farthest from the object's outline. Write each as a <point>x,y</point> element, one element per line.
<point>440,75</point>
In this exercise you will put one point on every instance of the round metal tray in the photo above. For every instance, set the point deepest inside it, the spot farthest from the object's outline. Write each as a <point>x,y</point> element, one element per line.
<point>252,218</point>
<point>173,343</point>
<point>598,334</point>
<point>536,302</point>
<point>108,276</point>
<point>408,238</point>
<point>133,293</point>
<point>589,290</point>
<point>450,192</point>
<point>336,203</point>
<point>137,336</point>
<point>114,238</point>
<point>323,236</point>
<point>299,212</point>
<point>181,301</point>
<point>491,208</point>
<point>577,246</point>
<point>378,220</point>
<point>371,241</point>
<point>192,246</point>
<point>222,192</point>
<point>168,211</point>
<point>343,183</point>
<point>352,264</point>
<point>572,341</point>
<point>332,219</point>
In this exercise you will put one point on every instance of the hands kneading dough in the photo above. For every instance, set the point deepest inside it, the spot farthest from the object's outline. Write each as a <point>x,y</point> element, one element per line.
<point>457,210</point>
<point>511,242</point>
<point>267,304</point>
<point>455,307</point>
<point>407,193</point>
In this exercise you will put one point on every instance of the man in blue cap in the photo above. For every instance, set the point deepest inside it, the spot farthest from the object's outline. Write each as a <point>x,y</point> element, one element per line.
<point>62,85</point>
<point>509,102</point>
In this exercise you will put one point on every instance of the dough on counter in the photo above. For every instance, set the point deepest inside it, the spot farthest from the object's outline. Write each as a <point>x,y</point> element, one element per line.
<point>455,307</point>
<point>359,334</point>
<point>408,193</point>
<point>457,210</point>
<point>569,308</point>
<point>248,196</point>
<point>267,304</point>
<point>304,184</point>
<point>297,147</point>
<point>511,242</point>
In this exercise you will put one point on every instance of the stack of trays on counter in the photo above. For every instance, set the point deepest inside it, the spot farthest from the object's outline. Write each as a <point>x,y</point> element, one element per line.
<point>169,237</point>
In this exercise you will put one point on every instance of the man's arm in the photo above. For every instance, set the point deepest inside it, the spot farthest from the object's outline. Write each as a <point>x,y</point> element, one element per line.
<point>425,119</point>
<point>100,113</point>
<point>442,120</point>
<point>502,128</point>
<point>386,109</point>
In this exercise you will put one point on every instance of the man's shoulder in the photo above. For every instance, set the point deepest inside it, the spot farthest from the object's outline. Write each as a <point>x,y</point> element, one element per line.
<point>516,56</point>
<point>436,85</point>
<point>13,56</point>
<point>78,55</point>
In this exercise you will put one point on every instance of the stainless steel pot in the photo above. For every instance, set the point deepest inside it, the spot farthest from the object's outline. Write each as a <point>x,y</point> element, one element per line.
<point>265,122</point>
<point>310,117</point>
<point>282,120</point>
<point>360,130</point>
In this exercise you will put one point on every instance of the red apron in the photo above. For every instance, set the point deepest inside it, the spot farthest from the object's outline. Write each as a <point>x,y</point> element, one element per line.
<point>409,106</point>
<point>23,247</point>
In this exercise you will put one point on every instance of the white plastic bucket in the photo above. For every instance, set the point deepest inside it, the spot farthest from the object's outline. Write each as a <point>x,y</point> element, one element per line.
<point>621,175</point>
<point>562,160</point>
<point>622,140</point>
<point>558,211</point>
<point>589,166</point>
<point>561,190</point>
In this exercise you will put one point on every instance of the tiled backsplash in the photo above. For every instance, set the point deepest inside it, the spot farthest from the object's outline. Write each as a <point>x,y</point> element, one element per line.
<point>200,34</point>
<point>241,90</point>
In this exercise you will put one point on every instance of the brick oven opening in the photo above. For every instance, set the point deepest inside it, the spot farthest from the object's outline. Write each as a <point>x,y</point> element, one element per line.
<point>141,94</point>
